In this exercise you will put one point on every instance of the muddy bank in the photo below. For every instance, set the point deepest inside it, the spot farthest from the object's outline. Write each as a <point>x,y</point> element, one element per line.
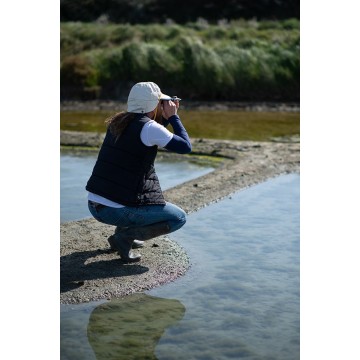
<point>89,271</point>
<point>110,105</point>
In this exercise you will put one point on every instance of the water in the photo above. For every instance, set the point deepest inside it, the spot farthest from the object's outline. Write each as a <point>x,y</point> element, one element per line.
<point>242,293</point>
<point>76,168</point>
<point>214,124</point>
<point>239,300</point>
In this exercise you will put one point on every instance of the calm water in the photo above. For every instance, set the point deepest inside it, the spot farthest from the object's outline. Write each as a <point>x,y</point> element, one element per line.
<point>214,124</point>
<point>239,300</point>
<point>76,168</point>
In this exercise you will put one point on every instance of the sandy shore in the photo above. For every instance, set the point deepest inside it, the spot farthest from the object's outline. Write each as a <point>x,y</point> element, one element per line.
<point>89,271</point>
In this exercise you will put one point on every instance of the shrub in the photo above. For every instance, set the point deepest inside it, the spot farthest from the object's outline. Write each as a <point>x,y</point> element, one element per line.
<point>154,32</point>
<point>234,62</point>
<point>135,61</point>
<point>290,24</point>
<point>123,33</point>
<point>78,78</point>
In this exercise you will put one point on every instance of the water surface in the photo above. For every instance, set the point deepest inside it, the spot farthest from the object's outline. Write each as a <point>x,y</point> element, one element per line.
<point>215,124</point>
<point>76,168</point>
<point>239,300</point>
<point>242,293</point>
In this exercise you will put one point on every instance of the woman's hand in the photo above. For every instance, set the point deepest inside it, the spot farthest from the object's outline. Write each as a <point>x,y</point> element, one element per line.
<point>169,108</point>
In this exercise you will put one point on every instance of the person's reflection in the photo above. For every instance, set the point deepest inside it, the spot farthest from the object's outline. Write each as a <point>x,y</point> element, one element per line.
<point>130,327</point>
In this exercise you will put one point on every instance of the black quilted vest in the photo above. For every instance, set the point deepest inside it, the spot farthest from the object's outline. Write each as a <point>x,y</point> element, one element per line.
<point>124,171</point>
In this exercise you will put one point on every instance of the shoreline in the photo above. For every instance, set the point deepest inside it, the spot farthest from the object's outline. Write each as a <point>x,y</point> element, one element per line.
<point>113,105</point>
<point>89,271</point>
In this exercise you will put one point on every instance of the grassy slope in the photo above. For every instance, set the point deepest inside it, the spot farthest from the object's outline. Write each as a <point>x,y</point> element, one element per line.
<point>237,60</point>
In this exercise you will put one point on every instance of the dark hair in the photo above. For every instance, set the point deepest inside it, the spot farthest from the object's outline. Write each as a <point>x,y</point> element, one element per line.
<point>119,122</point>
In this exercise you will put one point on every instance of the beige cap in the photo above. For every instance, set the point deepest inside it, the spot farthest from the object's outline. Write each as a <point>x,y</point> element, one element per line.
<point>144,97</point>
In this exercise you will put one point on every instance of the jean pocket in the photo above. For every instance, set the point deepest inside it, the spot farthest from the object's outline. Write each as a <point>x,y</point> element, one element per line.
<point>93,212</point>
<point>110,216</point>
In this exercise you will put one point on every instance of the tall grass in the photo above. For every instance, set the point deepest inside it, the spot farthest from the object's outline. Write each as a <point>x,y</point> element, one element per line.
<point>234,61</point>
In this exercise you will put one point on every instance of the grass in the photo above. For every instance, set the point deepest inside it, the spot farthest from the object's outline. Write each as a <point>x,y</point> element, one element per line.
<point>241,60</point>
<point>77,37</point>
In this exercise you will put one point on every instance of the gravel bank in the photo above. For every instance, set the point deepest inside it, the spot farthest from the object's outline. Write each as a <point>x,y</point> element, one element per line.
<point>110,105</point>
<point>89,271</point>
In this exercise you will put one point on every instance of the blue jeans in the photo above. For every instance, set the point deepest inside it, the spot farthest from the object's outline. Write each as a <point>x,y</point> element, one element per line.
<point>142,222</point>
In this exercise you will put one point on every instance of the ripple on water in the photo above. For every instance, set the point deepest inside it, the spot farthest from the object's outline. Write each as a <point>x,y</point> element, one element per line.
<point>242,292</point>
<point>239,300</point>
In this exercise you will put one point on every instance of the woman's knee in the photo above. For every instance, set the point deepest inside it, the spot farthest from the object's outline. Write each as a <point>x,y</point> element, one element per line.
<point>182,218</point>
<point>175,212</point>
<point>179,222</point>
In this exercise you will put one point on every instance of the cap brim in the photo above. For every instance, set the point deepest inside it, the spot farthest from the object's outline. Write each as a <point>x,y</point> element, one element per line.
<point>165,97</point>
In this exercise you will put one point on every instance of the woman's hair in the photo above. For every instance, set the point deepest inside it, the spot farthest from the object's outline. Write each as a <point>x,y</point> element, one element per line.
<point>119,122</point>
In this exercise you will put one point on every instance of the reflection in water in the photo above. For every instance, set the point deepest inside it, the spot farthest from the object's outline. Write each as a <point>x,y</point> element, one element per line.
<point>235,124</point>
<point>242,291</point>
<point>241,294</point>
<point>130,327</point>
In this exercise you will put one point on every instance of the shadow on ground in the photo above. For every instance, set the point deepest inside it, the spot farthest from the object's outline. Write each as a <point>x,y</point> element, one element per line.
<point>77,267</point>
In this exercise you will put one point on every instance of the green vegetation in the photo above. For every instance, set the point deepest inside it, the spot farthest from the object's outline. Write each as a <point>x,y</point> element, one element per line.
<point>237,60</point>
<point>231,125</point>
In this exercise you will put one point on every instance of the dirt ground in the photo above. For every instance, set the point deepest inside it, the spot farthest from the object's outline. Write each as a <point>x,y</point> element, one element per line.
<point>110,105</point>
<point>89,271</point>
